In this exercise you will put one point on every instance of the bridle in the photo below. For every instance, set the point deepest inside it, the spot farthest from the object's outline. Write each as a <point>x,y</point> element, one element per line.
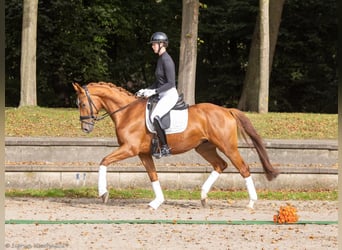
<point>92,106</point>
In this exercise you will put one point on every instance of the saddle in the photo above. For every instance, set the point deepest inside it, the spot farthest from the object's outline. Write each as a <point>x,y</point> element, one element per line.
<point>165,121</point>
<point>174,121</point>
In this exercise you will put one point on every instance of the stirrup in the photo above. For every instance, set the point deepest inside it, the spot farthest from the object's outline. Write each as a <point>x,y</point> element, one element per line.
<point>157,154</point>
<point>165,150</point>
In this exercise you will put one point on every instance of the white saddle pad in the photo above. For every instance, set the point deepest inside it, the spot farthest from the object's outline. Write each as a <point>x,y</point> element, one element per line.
<point>178,121</point>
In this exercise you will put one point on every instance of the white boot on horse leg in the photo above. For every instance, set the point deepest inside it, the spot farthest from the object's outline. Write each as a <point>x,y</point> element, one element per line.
<point>102,184</point>
<point>207,185</point>
<point>253,197</point>
<point>159,195</point>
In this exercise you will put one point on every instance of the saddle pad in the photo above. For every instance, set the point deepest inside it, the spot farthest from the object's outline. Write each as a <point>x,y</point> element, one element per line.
<point>178,121</point>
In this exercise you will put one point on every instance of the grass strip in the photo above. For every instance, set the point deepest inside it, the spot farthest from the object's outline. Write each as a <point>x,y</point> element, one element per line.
<point>54,122</point>
<point>327,195</point>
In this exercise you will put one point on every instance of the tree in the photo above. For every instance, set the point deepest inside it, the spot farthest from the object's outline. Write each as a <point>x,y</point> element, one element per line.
<point>249,99</point>
<point>264,57</point>
<point>304,76</point>
<point>188,50</point>
<point>225,31</point>
<point>28,94</point>
<point>106,40</point>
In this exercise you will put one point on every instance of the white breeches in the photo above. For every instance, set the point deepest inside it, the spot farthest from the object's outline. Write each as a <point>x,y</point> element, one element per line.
<point>167,100</point>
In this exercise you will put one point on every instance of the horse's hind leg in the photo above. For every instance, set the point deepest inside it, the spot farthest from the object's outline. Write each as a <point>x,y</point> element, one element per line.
<point>208,152</point>
<point>234,155</point>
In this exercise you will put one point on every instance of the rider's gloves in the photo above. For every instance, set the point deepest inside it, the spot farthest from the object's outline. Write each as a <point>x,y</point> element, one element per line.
<point>140,93</point>
<point>149,92</point>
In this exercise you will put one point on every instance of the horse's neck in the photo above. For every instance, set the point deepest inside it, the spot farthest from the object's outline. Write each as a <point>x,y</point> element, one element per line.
<point>119,100</point>
<point>114,99</point>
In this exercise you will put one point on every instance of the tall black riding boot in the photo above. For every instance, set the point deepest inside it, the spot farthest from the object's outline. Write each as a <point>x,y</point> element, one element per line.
<point>164,149</point>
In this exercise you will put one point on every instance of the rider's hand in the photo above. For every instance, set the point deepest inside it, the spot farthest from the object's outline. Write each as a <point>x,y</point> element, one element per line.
<point>140,93</point>
<point>149,92</point>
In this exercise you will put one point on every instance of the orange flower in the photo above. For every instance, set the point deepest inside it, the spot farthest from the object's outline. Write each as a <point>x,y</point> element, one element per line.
<point>286,214</point>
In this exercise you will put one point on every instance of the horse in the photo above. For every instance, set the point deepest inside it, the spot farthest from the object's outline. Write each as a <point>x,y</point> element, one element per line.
<point>210,128</point>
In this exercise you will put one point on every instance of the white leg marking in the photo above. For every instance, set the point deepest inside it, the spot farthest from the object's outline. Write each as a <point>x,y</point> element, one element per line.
<point>102,182</point>
<point>251,191</point>
<point>208,183</point>
<point>159,195</point>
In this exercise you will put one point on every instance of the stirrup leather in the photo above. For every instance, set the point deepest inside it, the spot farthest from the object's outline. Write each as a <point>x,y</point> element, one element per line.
<point>155,148</point>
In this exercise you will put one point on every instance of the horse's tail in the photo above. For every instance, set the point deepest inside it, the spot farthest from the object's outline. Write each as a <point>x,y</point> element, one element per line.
<point>246,128</point>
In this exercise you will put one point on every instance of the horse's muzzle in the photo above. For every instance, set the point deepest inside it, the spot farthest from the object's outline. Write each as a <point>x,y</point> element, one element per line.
<point>87,127</point>
<point>87,130</point>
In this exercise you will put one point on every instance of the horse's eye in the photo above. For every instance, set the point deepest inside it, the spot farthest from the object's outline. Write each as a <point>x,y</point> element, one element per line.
<point>80,104</point>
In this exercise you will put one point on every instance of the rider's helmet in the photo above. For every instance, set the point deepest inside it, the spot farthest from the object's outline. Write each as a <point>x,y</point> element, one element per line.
<point>159,37</point>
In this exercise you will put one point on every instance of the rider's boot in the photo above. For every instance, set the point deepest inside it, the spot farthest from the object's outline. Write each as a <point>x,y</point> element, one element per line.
<point>164,149</point>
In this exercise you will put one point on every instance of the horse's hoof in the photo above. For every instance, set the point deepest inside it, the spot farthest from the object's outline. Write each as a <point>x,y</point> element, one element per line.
<point>250,205</point>
<point>105,197</point>
<point>155,203</point>
<point>204,202</point>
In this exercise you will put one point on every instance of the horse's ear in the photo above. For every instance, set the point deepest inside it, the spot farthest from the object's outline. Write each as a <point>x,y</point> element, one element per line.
<point>77,87</point>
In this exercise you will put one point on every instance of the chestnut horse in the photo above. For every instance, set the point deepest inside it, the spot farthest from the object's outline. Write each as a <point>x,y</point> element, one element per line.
<point>210,127</point>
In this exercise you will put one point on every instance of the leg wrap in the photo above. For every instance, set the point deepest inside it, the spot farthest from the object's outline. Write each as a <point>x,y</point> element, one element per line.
<point>159,195</point>
<point>251,189</point>
<point>102,182</point>
<point>208,183</point>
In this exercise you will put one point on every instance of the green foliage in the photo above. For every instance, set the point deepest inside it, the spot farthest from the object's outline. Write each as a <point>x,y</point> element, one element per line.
<point>226,28</point>
<point>106,40</point>
<point>304,76</point>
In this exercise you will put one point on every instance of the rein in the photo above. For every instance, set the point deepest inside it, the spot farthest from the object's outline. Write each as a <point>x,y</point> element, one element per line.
<point>91,105</point>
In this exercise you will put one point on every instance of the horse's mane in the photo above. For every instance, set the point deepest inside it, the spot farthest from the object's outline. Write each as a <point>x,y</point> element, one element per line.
<point>111,85</point>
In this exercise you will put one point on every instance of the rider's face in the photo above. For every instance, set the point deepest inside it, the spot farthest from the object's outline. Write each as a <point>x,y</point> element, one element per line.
<point>155,47</point>
<point>157,50</point>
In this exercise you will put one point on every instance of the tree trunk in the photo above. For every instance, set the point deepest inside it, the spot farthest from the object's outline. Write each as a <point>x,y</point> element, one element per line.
<point>2,114</point>
<point>188,50</point>
<point>249,97</point>
<point>28,93</point>
<point>264,56</point>
<point>249,100</point>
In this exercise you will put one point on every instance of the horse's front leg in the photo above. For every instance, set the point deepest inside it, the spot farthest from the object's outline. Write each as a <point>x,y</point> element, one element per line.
<point>148,163</point>
<point>102,184</point>
<point>121,153</point>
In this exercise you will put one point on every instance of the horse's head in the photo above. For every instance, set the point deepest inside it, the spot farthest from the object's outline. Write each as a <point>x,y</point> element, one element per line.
<point>89,107</point>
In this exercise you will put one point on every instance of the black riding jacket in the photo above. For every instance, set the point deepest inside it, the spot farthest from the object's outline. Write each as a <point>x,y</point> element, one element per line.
<point>165,74</point>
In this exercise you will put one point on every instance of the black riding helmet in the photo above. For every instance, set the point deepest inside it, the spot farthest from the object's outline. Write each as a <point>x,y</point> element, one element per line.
<point>159,37</point>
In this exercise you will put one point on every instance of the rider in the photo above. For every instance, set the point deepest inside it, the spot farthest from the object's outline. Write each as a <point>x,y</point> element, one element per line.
<point>164,86</point>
